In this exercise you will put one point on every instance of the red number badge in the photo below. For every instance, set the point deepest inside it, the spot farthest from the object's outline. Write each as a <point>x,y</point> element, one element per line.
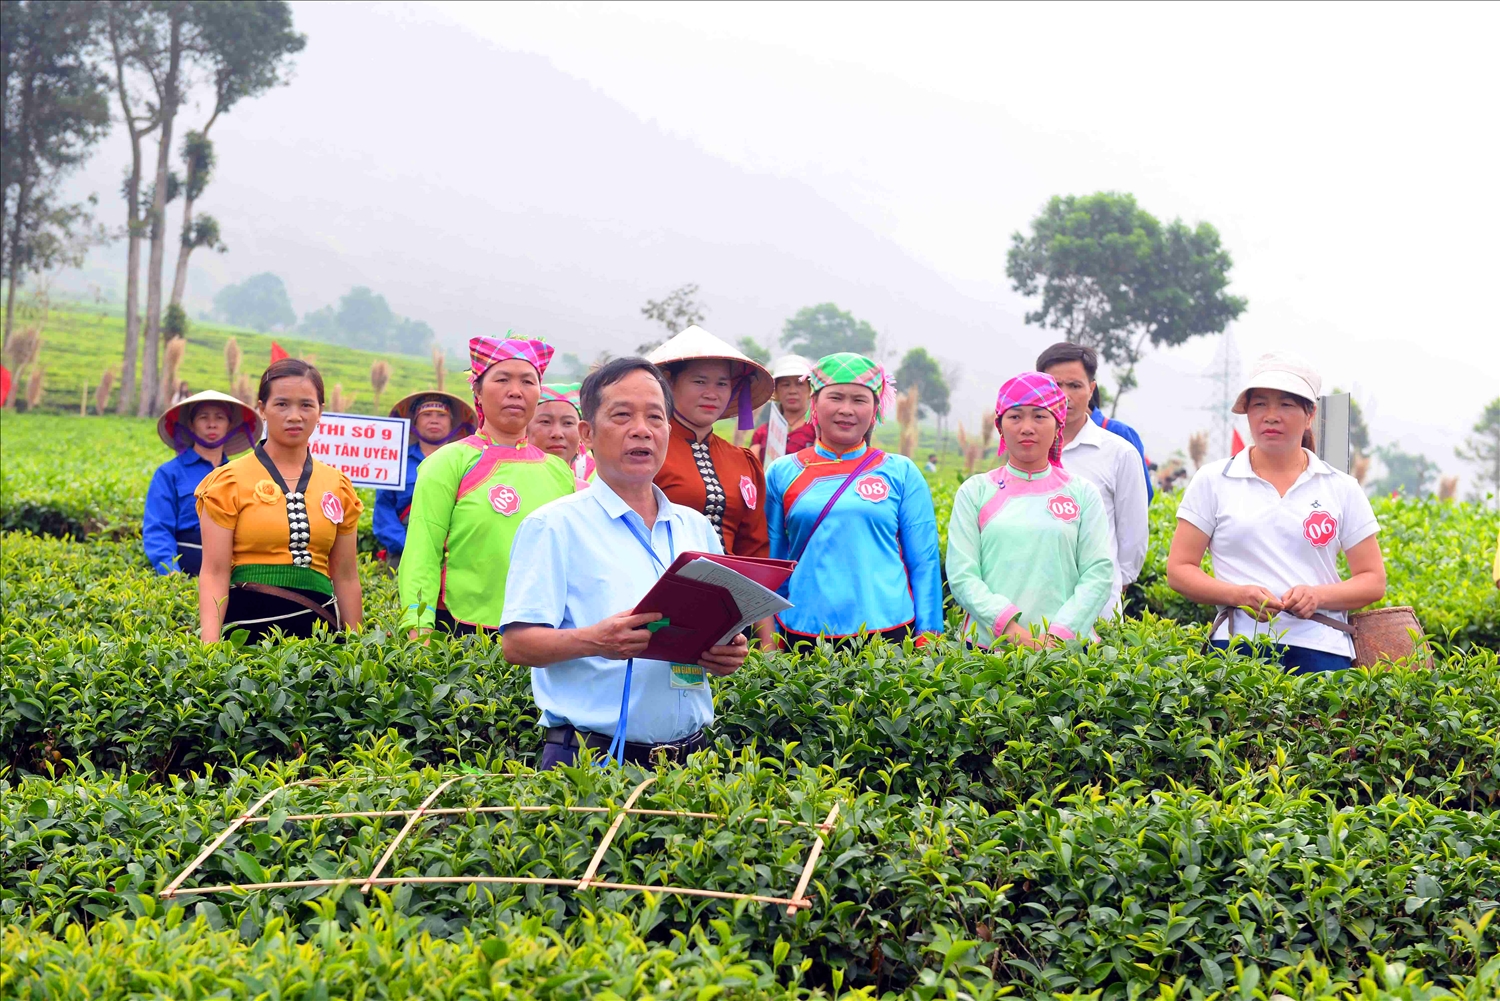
<point>872,488</point>
<point>1320,528</point>
<point>333,508</point>
<point>1063,507</point>
<point>504,499</point>
<point>748,491</point>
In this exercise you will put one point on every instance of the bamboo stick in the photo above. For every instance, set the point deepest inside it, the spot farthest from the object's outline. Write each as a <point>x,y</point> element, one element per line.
<point>410,823</point>
<point>609,835</point>
<point>224,836</point>
<point>798,900</point>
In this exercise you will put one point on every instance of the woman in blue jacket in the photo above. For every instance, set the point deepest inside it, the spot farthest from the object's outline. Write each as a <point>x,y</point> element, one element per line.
<point>204,429</point>
<point>858,521</point>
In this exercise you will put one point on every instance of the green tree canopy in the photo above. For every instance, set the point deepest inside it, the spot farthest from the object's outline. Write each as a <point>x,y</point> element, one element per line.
<point>1406,473</point>
<point>365,320</point>
<point>922,370</point>
<point>1482,448</point>
<point>825,329</point>
<point>1111,276</point>
<point>754,349</point>
<point>259,302</point>
<point>55,108</point>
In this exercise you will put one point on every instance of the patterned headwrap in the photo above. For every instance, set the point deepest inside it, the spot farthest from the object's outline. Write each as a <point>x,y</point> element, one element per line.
<point>564,393</point>
<point>848,368</point>
<point>487,352</point>
<point>1035,389</point>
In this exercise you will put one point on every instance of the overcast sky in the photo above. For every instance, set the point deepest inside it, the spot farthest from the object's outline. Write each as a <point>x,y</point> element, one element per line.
<point>1346,153</point>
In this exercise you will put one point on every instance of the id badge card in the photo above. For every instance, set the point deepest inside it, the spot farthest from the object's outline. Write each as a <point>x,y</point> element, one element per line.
<point>690,676</point>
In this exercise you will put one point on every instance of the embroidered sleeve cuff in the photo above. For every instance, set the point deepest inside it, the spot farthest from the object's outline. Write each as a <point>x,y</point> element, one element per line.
<point>1003,619</point>
<point>1061,631</point>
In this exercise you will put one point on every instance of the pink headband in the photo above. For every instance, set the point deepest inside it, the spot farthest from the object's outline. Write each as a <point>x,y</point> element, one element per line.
<point>1035,389</point>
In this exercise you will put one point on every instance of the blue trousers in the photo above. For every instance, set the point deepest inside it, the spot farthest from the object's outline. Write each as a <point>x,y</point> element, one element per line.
<point>1303,660</point>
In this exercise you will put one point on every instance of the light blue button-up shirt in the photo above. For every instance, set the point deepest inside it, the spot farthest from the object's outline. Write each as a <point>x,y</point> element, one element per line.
<point>576,562</point>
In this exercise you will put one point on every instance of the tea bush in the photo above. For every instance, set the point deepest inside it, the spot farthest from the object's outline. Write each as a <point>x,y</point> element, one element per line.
<point>134,688</point>
<point>1089,891</point>
<point>1129,819</point>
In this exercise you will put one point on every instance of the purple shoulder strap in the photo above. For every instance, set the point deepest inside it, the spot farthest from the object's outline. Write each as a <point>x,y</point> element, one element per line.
<point>869,460</point>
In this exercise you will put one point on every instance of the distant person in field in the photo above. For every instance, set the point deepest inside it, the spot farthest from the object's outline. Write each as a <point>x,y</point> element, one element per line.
<point>1276,517</point>
<point>557,429</point>
<point>581,564</point>
<point>712,381</point>
<point>1105,460</point>
<point>473,493</point>
<point>279,549</point>
<point>436,419</point>
<point>203,430</point>
<point>183,393</point>
<point>792,396</point>
<point>859,522</point>
<point>1029,552</point>
<point>932,464</point>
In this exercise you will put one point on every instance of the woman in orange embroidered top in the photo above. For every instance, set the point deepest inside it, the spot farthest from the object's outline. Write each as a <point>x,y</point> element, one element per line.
<point>279,550</point>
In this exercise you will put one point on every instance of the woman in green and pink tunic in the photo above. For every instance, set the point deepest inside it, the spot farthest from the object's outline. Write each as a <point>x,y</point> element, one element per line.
<point>1028,544</point>
<point>473,494</point>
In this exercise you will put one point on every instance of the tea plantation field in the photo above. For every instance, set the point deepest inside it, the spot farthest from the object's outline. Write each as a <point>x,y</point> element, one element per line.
<point>1132,819</point>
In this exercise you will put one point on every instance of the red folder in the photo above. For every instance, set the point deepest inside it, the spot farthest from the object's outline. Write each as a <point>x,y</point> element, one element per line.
<point>698,614</point>
<point>765,572</point>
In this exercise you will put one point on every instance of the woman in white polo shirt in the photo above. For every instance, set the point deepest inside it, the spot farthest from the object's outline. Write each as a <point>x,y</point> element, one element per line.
<point>1275,517</point>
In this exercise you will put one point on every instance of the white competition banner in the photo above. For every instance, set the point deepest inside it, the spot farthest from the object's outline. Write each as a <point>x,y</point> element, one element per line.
<point>775,436</point>
<point>371,451</point>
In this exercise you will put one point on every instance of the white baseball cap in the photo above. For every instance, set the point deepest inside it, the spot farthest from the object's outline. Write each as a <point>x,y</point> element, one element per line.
<point>791,367</point>
<point>1283,370</point>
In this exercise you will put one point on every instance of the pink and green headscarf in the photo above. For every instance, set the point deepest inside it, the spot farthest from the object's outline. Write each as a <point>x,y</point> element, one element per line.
<point>487,352</point>
<point>848,368</point>
<point>563,393</point>
<point>1035,389</point>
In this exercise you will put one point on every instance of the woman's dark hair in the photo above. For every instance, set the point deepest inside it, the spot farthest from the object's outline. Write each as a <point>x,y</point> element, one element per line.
<point>591,393</point>
<point>289,368</point>
<point>1063,352</point>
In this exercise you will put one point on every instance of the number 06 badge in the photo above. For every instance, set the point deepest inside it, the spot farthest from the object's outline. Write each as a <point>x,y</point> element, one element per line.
<point>1319,528</point>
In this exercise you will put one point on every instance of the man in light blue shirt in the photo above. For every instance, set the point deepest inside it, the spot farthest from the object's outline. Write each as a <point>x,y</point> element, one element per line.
<point>580,564</point>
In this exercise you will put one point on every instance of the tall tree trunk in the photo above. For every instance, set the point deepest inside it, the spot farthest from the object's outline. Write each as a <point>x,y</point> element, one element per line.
<point>158,220</point>
<point>22,195</point>
<point>132,231</point>
<point>185,249</point>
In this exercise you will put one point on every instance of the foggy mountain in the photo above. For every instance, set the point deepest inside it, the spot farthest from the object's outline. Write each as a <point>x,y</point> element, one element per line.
<point>480,190</point>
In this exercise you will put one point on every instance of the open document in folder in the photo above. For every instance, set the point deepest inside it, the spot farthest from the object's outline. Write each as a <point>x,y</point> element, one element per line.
<point>705,598</point>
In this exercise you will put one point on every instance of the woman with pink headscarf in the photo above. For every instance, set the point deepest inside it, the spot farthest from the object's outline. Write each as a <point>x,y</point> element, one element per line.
<point>1028,544</point>
<point>474,492</point>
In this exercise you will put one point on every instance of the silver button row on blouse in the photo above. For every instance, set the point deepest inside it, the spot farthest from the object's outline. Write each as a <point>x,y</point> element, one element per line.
<point>298,528</point>
<point>713,490</point>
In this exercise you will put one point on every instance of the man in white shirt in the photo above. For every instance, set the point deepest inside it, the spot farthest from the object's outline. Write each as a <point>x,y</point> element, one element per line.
<point>1105,460</point>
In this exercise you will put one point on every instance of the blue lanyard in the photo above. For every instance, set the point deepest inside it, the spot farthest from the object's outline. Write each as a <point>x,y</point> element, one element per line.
<point>616,750</point>
<point>646,543</point>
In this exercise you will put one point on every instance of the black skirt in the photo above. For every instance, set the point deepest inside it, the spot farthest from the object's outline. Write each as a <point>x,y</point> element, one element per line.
<point>262,614</point>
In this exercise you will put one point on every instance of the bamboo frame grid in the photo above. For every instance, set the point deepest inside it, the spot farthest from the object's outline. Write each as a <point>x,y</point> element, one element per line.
<point>252,815</point>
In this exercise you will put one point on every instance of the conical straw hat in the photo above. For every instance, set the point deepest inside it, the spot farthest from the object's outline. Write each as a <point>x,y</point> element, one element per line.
<point>243,434</point>
<point>695,343</point>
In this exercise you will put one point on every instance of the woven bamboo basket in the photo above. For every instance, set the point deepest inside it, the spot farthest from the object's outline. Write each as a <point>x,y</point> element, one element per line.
<point>1389,634</point>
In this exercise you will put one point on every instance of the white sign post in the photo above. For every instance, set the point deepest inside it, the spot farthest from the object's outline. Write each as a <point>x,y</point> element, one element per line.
<point>371,451</point>
<point>775,435</point>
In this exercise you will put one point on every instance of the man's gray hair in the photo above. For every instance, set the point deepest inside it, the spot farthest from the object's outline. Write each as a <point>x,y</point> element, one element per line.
<point>591,394</point>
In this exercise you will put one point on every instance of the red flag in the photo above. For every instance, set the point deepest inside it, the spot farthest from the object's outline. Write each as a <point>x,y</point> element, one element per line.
<point>4,385</point>
<point>277,352</point>
<point>1236,443</point>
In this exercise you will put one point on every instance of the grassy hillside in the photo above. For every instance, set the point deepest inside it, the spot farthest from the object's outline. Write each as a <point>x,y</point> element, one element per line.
<point>79,344</point>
